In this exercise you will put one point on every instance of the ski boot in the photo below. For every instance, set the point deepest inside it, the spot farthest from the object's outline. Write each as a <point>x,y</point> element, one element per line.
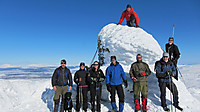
<point>56,105</point>
<point>137,105</point>
<point>178,107</point>
<point>144,104</point>
<point>166,109</point>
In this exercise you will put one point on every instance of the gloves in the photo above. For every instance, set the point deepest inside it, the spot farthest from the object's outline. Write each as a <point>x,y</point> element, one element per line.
<point>94,79</point>
<point>143,73</point>
<point>134,79</point>
<point>137,26</point>
<point>108,87</point>
<point>101,79</point>
<point>125,83</point>
<point>170,73</point>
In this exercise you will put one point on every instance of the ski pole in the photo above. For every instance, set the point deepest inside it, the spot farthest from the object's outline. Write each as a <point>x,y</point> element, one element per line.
<point>170,86</point>
<point>179,72</point>
<point>181,75</point>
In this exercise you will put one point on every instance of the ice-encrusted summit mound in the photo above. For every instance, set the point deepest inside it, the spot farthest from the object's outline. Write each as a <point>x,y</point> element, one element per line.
<point>126,42</point>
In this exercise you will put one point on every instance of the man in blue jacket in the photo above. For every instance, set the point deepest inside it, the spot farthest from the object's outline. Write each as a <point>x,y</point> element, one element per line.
<point>114,73</point>
<point>165,70</point>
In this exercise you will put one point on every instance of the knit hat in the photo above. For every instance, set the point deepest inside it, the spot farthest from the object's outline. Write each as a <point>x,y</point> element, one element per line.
<point>138,55</point>
<point>63,61</point>
<point>165,54</point>
<point>113,57</point>
<point>128,6</point>
<point>82,64</point>
<point>171,38</point>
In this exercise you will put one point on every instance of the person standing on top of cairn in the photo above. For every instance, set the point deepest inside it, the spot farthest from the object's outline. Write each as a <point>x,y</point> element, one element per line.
<point>131,17</point>
<point>139,72</point>
<point>174,53</point>
<point>61,79</point>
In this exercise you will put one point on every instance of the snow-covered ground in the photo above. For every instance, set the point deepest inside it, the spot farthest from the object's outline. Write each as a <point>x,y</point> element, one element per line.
<point>191,78</point>
<point>29,89</point>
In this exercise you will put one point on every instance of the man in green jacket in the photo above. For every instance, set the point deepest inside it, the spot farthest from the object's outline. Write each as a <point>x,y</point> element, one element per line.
<point>139,72</point>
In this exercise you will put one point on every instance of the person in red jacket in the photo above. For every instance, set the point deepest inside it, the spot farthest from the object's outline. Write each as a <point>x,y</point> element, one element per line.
<point>131,17</point>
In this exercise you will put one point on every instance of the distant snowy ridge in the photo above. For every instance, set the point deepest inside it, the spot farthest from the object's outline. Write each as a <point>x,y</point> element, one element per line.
<point>32,65</point>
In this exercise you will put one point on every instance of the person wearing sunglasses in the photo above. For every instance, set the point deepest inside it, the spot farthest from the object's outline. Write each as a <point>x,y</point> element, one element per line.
<point>96,77</point>
<point>139,72</point>
<point>174,53</point>
<point>114,76</point>
<point>165,70</point>
<point>81,78</point>
<point>61,82</point>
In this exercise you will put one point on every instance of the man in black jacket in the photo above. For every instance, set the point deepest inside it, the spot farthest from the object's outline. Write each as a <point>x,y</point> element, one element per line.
<point>174,53</point>
<point>81,78</point>
<point>165,70</point>
<point>61,79</point>
<point>96,77</point>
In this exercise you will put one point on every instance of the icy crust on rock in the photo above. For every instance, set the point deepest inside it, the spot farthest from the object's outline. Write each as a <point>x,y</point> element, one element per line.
<point>126,42</point>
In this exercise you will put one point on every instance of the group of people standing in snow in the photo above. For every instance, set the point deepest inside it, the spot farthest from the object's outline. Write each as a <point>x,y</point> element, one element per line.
<point>90,79</point>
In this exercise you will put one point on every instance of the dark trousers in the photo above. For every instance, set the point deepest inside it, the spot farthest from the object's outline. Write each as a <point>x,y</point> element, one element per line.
<point>172,87</point>
<point>175,64</point>
<point>82,98</point>
<point>132,21</point>
<point>120,93</point>
<point>95,93</point>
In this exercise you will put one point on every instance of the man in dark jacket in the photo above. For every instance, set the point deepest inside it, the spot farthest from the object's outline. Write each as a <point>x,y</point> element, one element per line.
<point>81,78</point>
<point>174,53</point>
<point>61,79</point>
<point>114,73</point>
<point>131,17</point>
<point>96,77</point>
<point>139,72</point>
<point>165,70</point>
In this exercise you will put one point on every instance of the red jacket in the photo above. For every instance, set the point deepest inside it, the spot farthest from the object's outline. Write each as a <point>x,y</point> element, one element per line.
<point>127,15</point>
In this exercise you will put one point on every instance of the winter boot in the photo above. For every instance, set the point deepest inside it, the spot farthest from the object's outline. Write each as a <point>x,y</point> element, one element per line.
<point>137,105</point>
<point>114,106</point>
<point>56,105</point>
<point>166,109</point>
<point>121,107</point>
<point>144,104</point>
<point>178,107</point>
<point>93,106</point>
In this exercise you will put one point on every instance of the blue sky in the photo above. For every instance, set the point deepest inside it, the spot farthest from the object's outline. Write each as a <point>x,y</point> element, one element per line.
<point>45,31</point>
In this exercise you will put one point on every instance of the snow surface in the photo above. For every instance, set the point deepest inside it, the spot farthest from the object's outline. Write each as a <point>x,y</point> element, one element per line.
<point>29,89</point>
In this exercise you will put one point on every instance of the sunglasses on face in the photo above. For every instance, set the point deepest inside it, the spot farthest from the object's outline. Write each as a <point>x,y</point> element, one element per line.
<point>165,56</point>
<point>96,64</point>
<point>171,40</point>
<point>63,63</point>
<point>113,60</point>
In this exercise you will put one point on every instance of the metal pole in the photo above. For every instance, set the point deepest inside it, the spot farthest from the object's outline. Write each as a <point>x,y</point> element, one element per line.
<point>93,58</point>
<point>173,30</point>
<point>170,86</point>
